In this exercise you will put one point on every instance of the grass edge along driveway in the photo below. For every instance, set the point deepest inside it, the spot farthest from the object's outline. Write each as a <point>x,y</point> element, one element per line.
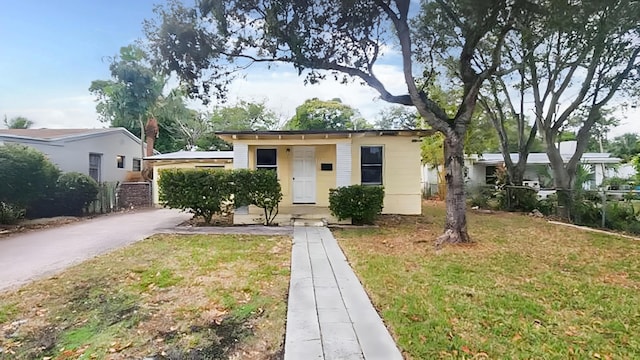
<point>169,296</point>
<point>525,290</point>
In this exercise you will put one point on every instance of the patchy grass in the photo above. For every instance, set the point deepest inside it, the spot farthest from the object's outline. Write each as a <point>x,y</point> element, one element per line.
<point>170,296</point>
<point>525,289</point>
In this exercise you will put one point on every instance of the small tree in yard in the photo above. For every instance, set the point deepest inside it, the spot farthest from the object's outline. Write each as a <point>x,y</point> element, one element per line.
<point>265,192</point>
<point>361,203</point>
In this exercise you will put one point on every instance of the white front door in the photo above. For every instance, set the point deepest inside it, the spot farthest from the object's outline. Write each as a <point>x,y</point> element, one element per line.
<point>304,175</point>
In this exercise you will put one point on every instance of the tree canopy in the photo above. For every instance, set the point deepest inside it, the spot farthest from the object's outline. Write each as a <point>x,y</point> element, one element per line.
<point>206,45</point>
<point>316,114</point>
<point>18,122</point>
<point>572,58</point>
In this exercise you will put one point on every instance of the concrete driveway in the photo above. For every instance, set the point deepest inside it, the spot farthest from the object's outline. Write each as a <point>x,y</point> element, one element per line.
<point>34,254</point>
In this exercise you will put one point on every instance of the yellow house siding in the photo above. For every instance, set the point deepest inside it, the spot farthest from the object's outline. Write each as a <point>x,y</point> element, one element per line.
<point>400,172</point>
<point>284,167</point>
<point>159,166</point>
<point>325,180</point>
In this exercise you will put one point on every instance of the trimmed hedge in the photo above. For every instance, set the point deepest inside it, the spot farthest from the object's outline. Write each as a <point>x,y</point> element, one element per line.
<point>75,191</point>
<point>361,203</point>
<point>206,192</point>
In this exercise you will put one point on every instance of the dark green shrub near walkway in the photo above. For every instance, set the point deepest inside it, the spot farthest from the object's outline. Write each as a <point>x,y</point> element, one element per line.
<point>361,203</point>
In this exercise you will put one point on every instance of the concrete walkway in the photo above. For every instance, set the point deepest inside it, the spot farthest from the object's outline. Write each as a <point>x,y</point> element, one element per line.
<point>329,314</point>
<point>34,254</point>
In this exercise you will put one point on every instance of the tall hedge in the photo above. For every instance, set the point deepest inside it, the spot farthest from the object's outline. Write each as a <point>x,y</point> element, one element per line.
<point>205,192</point>
<point>25,175</point>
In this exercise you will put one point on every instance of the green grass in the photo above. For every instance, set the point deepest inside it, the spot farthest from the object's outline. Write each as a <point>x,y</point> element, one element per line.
<point>7,311</point>
<point>187,296</point>
<point>525,290</point>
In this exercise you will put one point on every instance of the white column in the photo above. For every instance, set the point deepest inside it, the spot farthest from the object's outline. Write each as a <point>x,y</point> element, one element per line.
<point>343,164</point>
<point>240,156</point>
<point>241,161</point>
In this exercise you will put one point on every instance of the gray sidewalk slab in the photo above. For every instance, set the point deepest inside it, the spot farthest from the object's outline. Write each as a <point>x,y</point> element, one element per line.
<point>330,315</point>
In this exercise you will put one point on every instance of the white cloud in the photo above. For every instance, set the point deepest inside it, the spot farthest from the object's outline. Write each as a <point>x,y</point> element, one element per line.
<point>283,90</point>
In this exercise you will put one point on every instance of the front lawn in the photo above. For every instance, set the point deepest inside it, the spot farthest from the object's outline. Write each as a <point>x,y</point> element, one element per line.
<point>168,297</point>
<point>525,290</point>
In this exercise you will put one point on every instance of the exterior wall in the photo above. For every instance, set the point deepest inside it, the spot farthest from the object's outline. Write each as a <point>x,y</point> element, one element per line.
<point>401,169</point>
<point>159,166</point>
<point>325,180</point>
<point>401,172</point>
<point>74,155</point>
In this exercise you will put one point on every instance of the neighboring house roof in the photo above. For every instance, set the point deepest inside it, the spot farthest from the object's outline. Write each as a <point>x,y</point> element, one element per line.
<point>316,134</point>
<point>541,158</point>
<point>192,155</point>
<point>59,135</point>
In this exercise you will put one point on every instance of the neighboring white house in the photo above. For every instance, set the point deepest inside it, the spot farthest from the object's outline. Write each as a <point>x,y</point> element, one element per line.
<point>481,170</point>
<point>104,154</point>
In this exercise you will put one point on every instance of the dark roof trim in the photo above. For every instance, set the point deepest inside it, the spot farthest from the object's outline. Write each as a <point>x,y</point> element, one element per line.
<point>331,132</point>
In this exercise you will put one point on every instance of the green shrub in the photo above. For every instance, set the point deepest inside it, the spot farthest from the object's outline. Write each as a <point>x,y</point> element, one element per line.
<point>10,214</point>
<point>75,191</point>
<point>361,203</point>
<point>548,206</point>
<point>26,175</point>
<point>480,196</point>
<point>206,192</point>
<point>264,192</point>
<point>621,216</point>
<point>518,198</point>
<point>199,191</point>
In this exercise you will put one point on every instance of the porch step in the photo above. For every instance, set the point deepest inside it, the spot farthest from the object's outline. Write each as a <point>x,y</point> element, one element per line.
<point>308,222</point>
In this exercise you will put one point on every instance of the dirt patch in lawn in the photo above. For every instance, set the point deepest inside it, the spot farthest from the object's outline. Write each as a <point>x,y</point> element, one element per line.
<point>168,297</point>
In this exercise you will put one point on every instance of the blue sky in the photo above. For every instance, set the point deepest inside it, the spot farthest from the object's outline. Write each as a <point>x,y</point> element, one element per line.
<point>50,51</point>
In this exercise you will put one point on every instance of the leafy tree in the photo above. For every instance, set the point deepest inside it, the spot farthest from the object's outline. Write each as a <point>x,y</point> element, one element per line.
<point>207,45</point>
<point>134,88</point>
<point>18,122</point>
<point>577,57</point>
<point>316,114</point>
<point>625,146</point>
<point>397,117</point>
<point>25,174</point>
<point>180,126</point>
<point>244,115</point>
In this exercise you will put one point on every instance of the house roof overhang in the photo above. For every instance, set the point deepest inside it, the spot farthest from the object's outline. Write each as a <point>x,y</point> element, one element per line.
<point>316,134</point>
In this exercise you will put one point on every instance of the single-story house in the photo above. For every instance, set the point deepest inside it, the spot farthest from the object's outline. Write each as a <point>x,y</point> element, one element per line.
<point>104,154</point>
<point>481,169</point>
<point>309,163</point>
<point>187,160</point>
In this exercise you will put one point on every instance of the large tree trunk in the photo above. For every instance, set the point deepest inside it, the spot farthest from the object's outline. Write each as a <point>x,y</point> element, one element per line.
<point>561,178</point>
<point>455,227</point>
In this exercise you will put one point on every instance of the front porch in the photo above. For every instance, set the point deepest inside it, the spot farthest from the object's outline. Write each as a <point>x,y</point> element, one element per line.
<point>288,215</point>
